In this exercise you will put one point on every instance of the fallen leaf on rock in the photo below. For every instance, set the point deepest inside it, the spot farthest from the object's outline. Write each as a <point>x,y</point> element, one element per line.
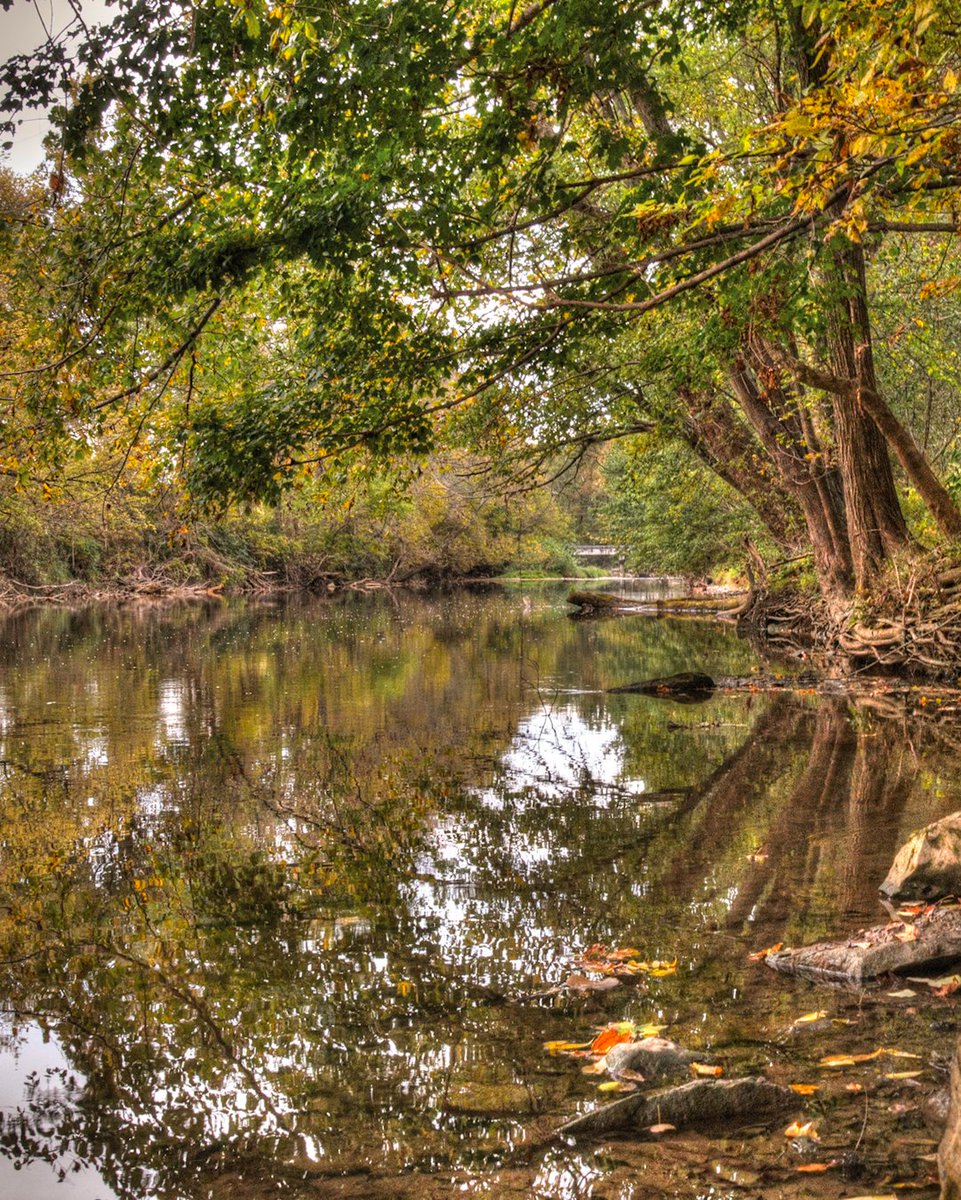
<point>565,1047</point>
<point>807,1130</point>
<point>817,1168</point>
<point>615,1085</point>
<point>804,1089</point>
<point>908,934</point>
<point>595,1068</point>
<point>904,994</point>
<point>706,1070</point>
<point>580,983</point>
<point>899,1053</point>
<point>759,954</point>
<point>662,1128</point>
<point>811,1016</point>
<point>902,1075</point>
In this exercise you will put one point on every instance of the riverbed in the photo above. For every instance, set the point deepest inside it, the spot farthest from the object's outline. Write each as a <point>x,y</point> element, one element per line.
<point>289,892</point>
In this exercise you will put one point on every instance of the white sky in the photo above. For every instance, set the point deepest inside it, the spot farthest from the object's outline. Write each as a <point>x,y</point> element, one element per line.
<point>23,27</point>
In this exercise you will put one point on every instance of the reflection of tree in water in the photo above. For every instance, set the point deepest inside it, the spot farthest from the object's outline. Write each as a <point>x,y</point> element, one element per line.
<point>304,954</point>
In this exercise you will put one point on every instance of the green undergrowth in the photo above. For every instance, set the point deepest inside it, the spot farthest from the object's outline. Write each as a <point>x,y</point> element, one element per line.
<point>435,524</point>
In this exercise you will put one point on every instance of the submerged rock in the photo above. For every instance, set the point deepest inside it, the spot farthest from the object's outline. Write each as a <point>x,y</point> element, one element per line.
<point>928,865</point>
<point>702,1102</point>
<point>657,1059</point>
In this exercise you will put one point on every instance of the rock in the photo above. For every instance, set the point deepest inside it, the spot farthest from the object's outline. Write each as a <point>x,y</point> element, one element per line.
<point>949,1151</point>
<point>724,1102</point>
<point>934,1109</point>
<point>933,938</point>
<point>928,865</point>
<point>656,1058</point>
<point>489,1099</point>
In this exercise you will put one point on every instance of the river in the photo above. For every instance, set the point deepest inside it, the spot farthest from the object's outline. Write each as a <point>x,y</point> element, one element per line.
<point>280,884</point>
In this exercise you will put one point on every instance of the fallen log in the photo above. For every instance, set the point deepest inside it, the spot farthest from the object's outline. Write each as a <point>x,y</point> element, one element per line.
<point>932,939</point>
<point>685,685</point>
<point>603,603</point>
<point>753,1100</point>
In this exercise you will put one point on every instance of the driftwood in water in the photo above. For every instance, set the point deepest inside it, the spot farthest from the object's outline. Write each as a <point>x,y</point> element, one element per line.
<point>594,603</point>
<point>702,1102</point>
<point>933,938</point>
<point>686,685</point>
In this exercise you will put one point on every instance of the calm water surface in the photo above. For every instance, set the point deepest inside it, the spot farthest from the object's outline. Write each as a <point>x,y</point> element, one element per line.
<point>278,882</point>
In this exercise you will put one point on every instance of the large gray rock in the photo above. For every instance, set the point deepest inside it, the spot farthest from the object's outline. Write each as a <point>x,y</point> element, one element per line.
<point>722,1102</point>
<point>657,1059</point>
<point>928,865</point>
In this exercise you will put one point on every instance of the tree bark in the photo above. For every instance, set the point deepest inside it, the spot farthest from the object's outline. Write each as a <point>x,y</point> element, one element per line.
<point>826,525</point>
<point>719,439</point>
<point>876,526</point>
<point>910,455</point>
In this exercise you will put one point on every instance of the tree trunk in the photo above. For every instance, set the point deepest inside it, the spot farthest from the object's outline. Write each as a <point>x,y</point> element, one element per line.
<point>876,526</point>
<point>825,524</point>
<point>720,440</point>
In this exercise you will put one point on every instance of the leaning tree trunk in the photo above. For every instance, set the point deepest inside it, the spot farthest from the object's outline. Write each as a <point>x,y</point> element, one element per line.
<point>722,441</point>
<point>826,525</point>
<point>876,526</point>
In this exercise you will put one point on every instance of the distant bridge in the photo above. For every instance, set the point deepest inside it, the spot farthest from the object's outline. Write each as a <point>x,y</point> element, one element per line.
<point>597,551</point>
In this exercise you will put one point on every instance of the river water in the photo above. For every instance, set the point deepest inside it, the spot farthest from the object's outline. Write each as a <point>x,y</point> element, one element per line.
<point>287,890</point>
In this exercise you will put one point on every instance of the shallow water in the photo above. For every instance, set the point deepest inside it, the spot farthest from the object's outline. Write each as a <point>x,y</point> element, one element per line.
<point>279,880</point>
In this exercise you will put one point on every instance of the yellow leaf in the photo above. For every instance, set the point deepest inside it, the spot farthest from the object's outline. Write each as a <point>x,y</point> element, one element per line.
<point>563,1047</point>
<point>812,1016</point>
<point>837,1060</point>
<point>706,1070</point>
<point>804,1089</point>
<point>903,1075</point>
<point>807,1130</point>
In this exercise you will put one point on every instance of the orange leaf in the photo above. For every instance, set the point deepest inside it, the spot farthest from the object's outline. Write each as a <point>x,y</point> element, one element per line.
<point>807,1130</point>
<point>804,1089</point>
<point>706,1070</point>
<point>817,1168</point>
<point>662,1128</point>
<point>613,1035</point>
<point>759,954</point>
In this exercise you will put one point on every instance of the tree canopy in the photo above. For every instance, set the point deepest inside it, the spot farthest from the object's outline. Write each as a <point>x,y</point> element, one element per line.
<point>276,232</point>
